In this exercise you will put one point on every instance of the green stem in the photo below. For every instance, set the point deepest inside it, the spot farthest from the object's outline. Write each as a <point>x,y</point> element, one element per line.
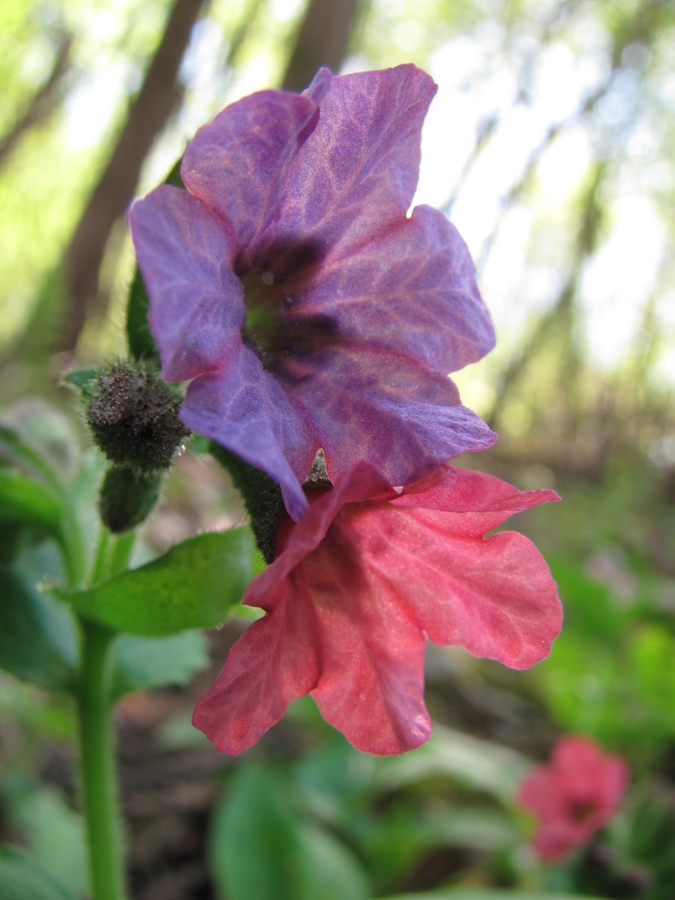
<point>121,552</point>
<point>102,554</point>
<point>112,555</point>
<point>99,792</point>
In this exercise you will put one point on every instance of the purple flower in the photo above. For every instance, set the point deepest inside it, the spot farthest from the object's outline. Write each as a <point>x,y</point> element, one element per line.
<point>288,283</point>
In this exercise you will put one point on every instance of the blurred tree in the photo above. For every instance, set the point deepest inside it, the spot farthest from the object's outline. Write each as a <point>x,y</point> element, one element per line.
<point>322,40</point>
<point>43,103</point>
<point>158,97</point>
<point>70,295</point>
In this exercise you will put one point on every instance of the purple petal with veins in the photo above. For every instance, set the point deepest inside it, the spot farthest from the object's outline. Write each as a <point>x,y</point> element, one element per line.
<point>289,284</point>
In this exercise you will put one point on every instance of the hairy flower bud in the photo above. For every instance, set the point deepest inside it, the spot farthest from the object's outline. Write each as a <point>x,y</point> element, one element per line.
<point>127,497</point>
<point>133,417</point>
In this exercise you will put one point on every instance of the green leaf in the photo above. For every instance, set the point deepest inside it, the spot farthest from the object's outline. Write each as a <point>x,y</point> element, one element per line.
<point>174,177</point>
<point>83,379</point>
<point>330,871</point>
<point>25,502</point>
<point>29,513</point>
<point>260,850</point>
<point>18,452</point>
<point>254,844</point>
<point>141,342</point>
<point>481,764</point>
<point>194,585</point>
<point>482,829</point>
<point>37,636</point>
<point>23,878</point>
<point>482,894</point>
<point>56,837</point>
<point>150,662</point>
<point>588,605</point>
<point>39,439</point>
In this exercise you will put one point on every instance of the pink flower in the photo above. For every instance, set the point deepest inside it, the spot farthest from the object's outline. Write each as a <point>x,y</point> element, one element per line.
<point>290,286</point>
<point>574,796</point>
<point>360,583</point>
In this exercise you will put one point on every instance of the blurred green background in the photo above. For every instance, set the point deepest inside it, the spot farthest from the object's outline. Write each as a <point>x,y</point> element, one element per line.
<point>550,145</point>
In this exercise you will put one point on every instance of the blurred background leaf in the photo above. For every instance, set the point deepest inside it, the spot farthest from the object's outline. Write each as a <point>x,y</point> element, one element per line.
<point>23,878</point>
<point>142,663</point>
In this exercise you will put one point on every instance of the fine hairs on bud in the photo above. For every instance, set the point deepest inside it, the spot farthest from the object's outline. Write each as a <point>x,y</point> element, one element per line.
<point>133,417</point>
<point>127,498</point>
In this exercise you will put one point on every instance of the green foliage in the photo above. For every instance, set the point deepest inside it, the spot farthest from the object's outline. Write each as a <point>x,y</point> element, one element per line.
<point>55,835</point>
<point>28,512</point>
<point>260,850</point>
<point>194,585</point>
<point>478,894</point>
<point>141,663</point>
<point>50,493</point>
<point>650,838</point>
<point>82,379</point>
<point>23,878</point>
<point>25,502</point>
<point>446,794</point>
<point>18,450</point>
<point>609,673</point>
<point>37,639</point>
<point>139,339</point>
<point>261,494</point>
<point>483,765</point>
<point>329,868</point>
<point>40,442</point>
<point>39,645</point>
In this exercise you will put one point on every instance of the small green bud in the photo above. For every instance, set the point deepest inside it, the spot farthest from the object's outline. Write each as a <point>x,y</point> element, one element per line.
<point>133,417</point>
<point>128,497</point>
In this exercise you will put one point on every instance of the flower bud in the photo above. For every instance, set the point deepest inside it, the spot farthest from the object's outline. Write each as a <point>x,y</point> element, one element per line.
<point>133,417</point>
<point>127,497</point>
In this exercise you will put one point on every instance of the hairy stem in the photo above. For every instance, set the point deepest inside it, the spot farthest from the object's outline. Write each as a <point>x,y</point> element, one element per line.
<point>99,791</point>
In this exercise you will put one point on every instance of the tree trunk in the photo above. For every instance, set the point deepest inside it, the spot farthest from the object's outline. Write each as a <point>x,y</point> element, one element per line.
<point>159,95</point>
<point>322,40</point>
<point>42,104</point>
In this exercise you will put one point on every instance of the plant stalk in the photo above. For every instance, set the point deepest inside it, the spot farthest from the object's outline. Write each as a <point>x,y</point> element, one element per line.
<point>97,767</point>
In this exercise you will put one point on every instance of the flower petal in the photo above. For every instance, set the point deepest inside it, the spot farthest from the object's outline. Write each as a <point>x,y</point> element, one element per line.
<point>412,288</point>
<point>371,656</point>
<point>244,409</point>
<point>371,685</point>
<point>361,484</point>
<point>585,771</point>
<point>196,302</point>
<point>274,662</point>
<point>386,410</point>
<point>357,583</point>
<point>477,502</point>
<point>359,170</point>
<point>573,796</point>
<point>239,160</point>
<point>494,597</point>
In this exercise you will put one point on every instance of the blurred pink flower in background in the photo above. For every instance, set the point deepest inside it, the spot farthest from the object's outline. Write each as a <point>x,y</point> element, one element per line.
<point>574,796</point>
<point>359,585</point>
